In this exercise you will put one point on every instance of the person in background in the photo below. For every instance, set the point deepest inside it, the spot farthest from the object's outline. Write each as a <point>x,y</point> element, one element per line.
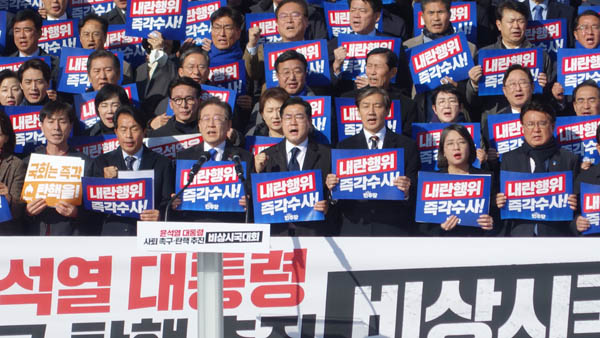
<point>11,93</point>
<point>589,176</point>
<point>116,16</point>
<point>12,176</point>
<point>52,10</point>
<point>34,76</point>
<point>108,100</point>
<point>270,102</point>
<point>184,96</point>
<point>103,67</point>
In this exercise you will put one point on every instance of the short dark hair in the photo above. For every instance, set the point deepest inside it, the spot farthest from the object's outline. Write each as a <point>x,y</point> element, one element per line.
<point>294,100</point>
<point>232,13</point>
<point>133,112</point>
<point>8,74</point>
<point>513,67</point>
<point>29,14</point>
<point>102,53</point>
<point>449,89</point>
<point>368,91</point>
<point>288,55</point>
<point>93,16</point>
<point>536,105</point>
<point>193,50</point>
<point>446,3</point>
<point>586,83</point>
<point>301,3</point>
<point>53,107</point>
<point>587,12</point>
<point>275,93</point>
<point>35,64</point>
<point>392,58</point>
<point>216,102</point>
<point>109,91</point>
<point>442,162</point>
<point>513,6</point>
<point>185,81</point>
<point>7,129</point>
<point>376,5</point>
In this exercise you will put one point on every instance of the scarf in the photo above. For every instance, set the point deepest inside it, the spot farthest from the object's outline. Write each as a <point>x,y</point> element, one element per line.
<point>218,56</point>
<point>541,154</point>
<point>434,36</point>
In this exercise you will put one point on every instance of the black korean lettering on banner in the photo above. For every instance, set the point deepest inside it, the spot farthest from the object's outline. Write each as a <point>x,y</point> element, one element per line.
<point>167,329</point>
<point>33,331</point>
<point>277,324</point>
<point>88,330</point>
<point>231,326</point>
<point>504,301</point>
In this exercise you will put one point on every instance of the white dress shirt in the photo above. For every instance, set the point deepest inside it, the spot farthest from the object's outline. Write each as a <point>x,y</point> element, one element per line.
<point>301,155</point>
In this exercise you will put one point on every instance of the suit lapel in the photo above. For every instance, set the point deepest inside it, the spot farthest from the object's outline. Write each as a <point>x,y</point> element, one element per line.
<point>312,155</point>
<point>118,159</point>
<point>361,141</point>
<point>389,141</point>
<point>147,159</point>
<point>281,156</point>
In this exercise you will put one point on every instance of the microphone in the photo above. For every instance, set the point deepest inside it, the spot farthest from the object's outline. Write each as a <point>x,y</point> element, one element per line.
<point>238,166</point>
<point>193,171</point>
<point>196,167</point>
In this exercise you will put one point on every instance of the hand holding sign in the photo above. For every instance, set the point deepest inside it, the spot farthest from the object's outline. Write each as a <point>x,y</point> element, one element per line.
<point>475,74</point>
<point>339,57</point>
<point>582,223</point>
<point>331,181</point>
<point>66,209</point>
<point>403,183</point>
<point>260,161</point>
<point>35,207</point>
<point>500,200</point>
<point>253,36</point>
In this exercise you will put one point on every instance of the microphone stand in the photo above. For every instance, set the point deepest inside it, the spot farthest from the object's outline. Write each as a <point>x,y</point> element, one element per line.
<point>240,173</point>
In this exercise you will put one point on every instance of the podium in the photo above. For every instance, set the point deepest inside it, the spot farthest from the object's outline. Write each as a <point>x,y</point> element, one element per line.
<point>210,241</point>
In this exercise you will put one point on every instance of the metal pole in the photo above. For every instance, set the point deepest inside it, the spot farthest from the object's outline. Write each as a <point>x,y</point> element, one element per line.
<point>210,295</point>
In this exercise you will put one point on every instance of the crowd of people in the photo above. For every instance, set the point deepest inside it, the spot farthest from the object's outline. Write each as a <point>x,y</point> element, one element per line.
<point>173,76</point>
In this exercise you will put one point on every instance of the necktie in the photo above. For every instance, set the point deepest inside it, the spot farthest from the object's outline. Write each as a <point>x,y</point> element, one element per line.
<point>294,165</point>
<point>374,140</point>
<point>213,154</point>
<point>129,162</point>
<point>537,12</point>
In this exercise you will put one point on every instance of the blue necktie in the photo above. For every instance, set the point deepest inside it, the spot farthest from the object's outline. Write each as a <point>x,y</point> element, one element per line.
<point>294,165</point>
<point>129,162</point>
<point>213,154</point>
<point>537,12</point>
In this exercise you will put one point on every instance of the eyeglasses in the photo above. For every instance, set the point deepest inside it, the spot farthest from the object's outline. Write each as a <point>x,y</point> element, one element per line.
<point>95,35</point>
<point>297,117</point>
<point>540,124</point>
<point>215,119</point>
<point>191,68</point>
<point>226,28</point>
<point>588,27</point>
<point>520,83</point>
<point>188,99</point>
<point>294,15</point>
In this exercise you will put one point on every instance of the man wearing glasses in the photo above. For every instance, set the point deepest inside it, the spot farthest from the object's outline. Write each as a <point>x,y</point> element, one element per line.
<point>184,96</point>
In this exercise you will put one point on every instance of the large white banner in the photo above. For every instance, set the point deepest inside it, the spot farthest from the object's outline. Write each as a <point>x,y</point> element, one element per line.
<point>306,287</point>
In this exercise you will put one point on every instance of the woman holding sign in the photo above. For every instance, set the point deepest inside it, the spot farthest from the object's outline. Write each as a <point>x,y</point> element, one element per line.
<point>12,175</point>
<point>456,155</point>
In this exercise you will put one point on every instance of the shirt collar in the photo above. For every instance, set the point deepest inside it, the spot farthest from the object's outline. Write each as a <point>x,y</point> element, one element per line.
<point>62,17</point>
<point>302,146</point>
<point>137,155</point>
<point>36,53</point>
<point>220,147</point>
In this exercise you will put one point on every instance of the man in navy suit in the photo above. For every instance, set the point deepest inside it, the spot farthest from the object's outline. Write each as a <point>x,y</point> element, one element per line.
<point>379,218</point>
<point>133,155</point>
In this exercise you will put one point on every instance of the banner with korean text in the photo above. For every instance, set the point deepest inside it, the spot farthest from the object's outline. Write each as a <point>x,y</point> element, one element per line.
<point>131,47</point>
<point>550,35</point>
<point>166,16</point>
<point>505,132</point>
<point>321,117</point>
<point>121,197</point>
<point>315,52</point>
<point>590,206</point>
<point>3,30</point>
<point>536,196</point>
<point>427,136</point>
<point>578,135</point>
<point>350,124</point>
<point>27,127</point>
<point>256,144</point>
<point>463,17</point>
<point>73,77</point>
<point>216,187</point>
<point>367,173</point>
<point>15,6</point>
<point>337,18</point>
<point>53,178</point>
<point>13,62</point>
<point>281,197</point>
<point>303,286</point>
<point>59,34</point>
<point>575,66</point>
<point>78,9</point>
<point>357,48</point>
<point>267,24</point>
<point>230,75</point>
<point>224,94</point>
<point>94,146</point>
<point>169,145</point>
<point>582,8</point>
<point>440,196</point>
<point>446,56</point>
<point>494,62</point>
<point>198,18</point>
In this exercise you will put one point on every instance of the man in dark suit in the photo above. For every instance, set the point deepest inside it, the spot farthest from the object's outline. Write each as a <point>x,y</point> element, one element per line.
<point>133,155</point>
<point>316,22</point>
<point>214,121</point>
<point>298,152</point>
<point>379,218</point>
<point>116,16</point>
<point>185,100</point>
<point>538,154</point>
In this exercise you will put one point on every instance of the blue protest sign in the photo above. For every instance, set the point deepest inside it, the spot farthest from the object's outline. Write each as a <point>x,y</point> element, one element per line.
<point>440,196</point>
<point>131,47</point>
<point>576,66</point>
<point>582,9</point>
<point>224,94</point>
<point>358,46</point>
<point>505,132</point>
<point>578,135</point>
<point>315,52</point>
<point>3,31</point>
<point>165,16</point>
<point>256,144</point>
<point>349,122</point>
<point>13,62</point>
<point>5,214</point>
<point>446,56</point>
<point>427,136</point>
<point>321,117</point>
<point>59,34</point>
<point>590,206</point>
<point>494,62</point>
<point>367,173</point>
<point>337,18</point>
<point>94,146</point>
<point>73,64</point>
<point>463,17</point>
<point>121,197</point>
<point>268,26</point>
<point>78,9</point>
<point>198,18</point>
<point>216,187</point>
<point>287,196</point>
<point>537,196</point>
<point>230,75</point>
<point>15,6</point>
<point>26,125</point>
<point>549,35</point>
